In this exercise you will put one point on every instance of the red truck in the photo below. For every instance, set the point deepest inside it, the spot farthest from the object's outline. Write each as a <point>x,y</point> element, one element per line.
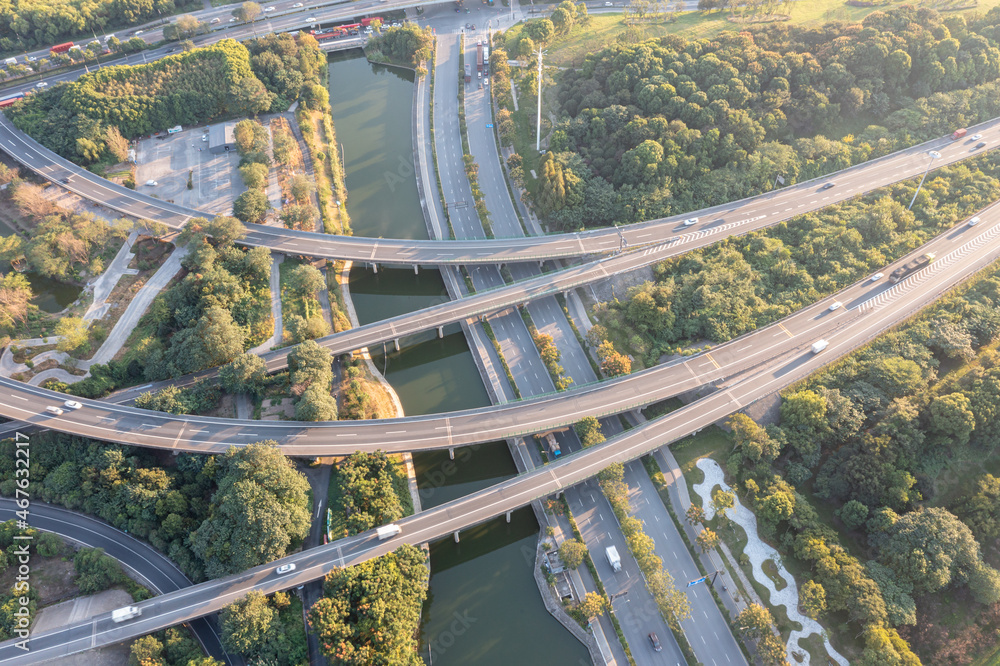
<point>479,58</point>
<point>367,21</point>
<point>958,134</point>
<point>61,48</point>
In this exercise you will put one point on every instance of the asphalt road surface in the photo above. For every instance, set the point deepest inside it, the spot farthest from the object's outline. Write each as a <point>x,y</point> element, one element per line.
<point>868,313</point>
<point>160,573</point>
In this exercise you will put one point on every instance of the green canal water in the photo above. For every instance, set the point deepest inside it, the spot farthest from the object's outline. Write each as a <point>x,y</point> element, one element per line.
<point>483,605</point>
<point>50,295</point>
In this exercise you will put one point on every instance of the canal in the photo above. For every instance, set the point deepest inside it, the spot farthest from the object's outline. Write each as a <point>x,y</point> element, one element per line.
<point>483,606</point>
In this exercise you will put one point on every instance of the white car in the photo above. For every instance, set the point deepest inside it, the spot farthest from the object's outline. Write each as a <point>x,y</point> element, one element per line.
<point>836,305</point>
<point>297,5</point>
<point>151,183</point>
<point>41,84</point>
<point>72,404</point>
<point>139,32</point>
<point>268,10</point>
<point>976,137</point>
<point>974,221</point>
<point>32,58</point>
<point>232,20</point>
<point>312,19</point>
<point>216,20</point>
<point>204,137</point>
<point>284,568</point>
<point>690,221</point>
<point>54,410</point>
<point>933,153</point>
<point>877,277</point>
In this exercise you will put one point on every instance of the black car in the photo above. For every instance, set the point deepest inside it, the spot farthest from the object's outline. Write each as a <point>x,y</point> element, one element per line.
<point>981,144</point>
<point>655,642</point>
<point>827,186</point>
<point>66,180</point>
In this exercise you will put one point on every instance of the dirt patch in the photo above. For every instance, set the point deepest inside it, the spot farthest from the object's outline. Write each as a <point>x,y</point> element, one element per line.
<point>52,577</point>
<point>277,410</point>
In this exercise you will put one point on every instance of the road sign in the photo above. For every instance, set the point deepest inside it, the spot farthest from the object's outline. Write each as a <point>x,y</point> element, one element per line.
<point>700,580</point>
<point>489,125</point>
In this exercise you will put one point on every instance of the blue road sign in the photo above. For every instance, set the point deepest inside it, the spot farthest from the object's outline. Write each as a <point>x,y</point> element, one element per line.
<point>700,580</point>
<point>489,125</point>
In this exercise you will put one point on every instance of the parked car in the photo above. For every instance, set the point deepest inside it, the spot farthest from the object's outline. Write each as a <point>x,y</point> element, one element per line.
<point>151,183</point>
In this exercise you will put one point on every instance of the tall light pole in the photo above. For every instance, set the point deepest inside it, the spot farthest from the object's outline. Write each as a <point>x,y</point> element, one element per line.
<point>538,128</point>
<point>934,155</point>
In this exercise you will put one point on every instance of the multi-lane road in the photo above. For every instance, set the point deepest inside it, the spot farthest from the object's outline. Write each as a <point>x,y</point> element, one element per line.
<point>869,310</point>
<point>790,336</point>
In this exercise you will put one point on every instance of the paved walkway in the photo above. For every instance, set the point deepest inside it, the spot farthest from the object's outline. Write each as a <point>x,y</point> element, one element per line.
<point>276,338</point>
<point>118,335</point>
<point>758,552</point>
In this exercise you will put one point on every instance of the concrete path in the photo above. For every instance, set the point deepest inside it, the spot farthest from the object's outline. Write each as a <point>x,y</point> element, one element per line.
<point>118,335</point>
<point>278,335</point>
<point>105,284</point>
<point>758,552</point>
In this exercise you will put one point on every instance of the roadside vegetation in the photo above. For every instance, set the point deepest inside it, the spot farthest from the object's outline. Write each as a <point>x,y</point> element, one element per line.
<point>661,127</point>
<point>743,283</point>
<point>407,45</point>
<point>30,24</point>
<point>266,630</point>
<point>253,143</point>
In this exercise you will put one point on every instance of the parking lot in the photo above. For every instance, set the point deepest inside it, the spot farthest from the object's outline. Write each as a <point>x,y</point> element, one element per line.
<point>167,158</point>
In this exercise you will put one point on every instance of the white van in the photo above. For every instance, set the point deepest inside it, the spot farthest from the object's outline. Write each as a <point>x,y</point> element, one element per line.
<point>10,61</point>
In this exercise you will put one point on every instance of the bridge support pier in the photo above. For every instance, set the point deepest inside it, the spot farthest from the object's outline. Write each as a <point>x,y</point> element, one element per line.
<point>440,331</point>
<point>508,517</point>
<point>396,343</point>
<point>415,269</point>
<point>451,453</point>
<point>374,267</point>
<point>456,537</point>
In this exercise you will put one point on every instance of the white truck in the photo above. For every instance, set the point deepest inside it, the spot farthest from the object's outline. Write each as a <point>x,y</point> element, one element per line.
<point>819,346</point>
<point>127,613</point>
<point>388,531</point>
<point>10,61</point>
<point>613,559</point>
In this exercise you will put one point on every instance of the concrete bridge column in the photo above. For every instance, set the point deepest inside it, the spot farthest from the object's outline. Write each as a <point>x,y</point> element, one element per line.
<point>374,267</point>
<point>396,343</point>
<point>456,537</point>
<point>451,453</point>
<point>415,268</point>
<point>508,516</point>
<point>440,331</point>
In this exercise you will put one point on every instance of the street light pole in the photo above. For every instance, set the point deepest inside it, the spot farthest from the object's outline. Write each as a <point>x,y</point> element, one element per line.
<point>538,129</point>
<point>929,164</point>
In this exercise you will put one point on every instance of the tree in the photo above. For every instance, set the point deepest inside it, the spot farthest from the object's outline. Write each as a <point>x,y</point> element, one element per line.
<point>572,553</point>
<point>613,363</point>
<point>812,599</point>
<point>592,605</point>
<point>695,515</point>
<point>722,500</point>
<point>296,216</point>
<point>254,175</point>
<point>116,143</point>
<point>251,206</point>
<point>539,30</point>
<point>304,281</point>
<point>316,404</point>
<point>245,374</point>
<point>302,188</point>
<point>981,509</point>
<point>308,364</point>
<point>258,510</point>
<point>250,137</point>
<point>755,621</point>
<point>146,651</point>
<point>247,12</point>
<point>588,429</point>
<point>952,418</point>
<point>245,624</point>
<point>929,549</point>
<point>214,340</point>
<point>854,514</point>
<point>366,484</point>
<point>707,540</point>
<point>73,331</point>
<point>225,230</point>
<point>369,613</point>
<point>884,647</point>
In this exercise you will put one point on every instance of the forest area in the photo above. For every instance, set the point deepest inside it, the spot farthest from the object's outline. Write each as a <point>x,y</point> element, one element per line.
<point>81,120</point>
<point>28,24</point>
<point>670,125</point>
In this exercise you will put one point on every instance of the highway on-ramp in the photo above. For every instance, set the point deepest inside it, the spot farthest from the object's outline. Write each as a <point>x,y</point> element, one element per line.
<point>159,572</point>
<point>867,313</point>
<point>962,245</point>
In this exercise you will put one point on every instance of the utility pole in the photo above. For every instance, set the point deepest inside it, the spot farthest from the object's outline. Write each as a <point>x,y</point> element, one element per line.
<point>538,128</point>
<point>934,154</point>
